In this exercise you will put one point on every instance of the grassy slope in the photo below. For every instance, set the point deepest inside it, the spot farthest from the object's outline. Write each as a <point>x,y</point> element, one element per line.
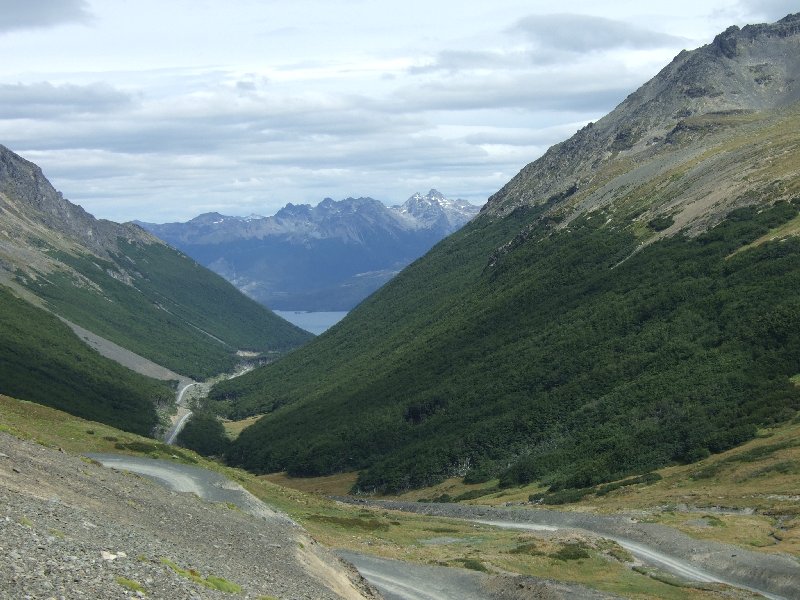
<point>382,533</point>
<point>556,352</point>
<point>176,313</point>
<point>42,360</point>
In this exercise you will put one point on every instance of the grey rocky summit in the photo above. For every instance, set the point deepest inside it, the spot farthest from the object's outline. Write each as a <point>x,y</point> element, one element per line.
<point>755,68</point>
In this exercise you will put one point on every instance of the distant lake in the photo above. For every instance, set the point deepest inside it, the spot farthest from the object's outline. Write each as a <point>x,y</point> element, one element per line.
<point>315,322</point>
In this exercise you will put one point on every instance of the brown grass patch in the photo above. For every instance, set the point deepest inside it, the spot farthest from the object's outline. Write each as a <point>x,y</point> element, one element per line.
<point>331,485</point>
<point>234,428</point>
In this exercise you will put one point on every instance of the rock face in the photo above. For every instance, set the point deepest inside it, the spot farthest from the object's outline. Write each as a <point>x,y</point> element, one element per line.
<point>742,71</point>
<point>31,205</point>
<point>325,257</point>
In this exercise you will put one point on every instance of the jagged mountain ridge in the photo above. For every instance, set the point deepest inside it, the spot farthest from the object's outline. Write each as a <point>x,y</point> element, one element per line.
<point>120,282</point>
<point>749,70</point>
<point>33,209</point>
<point>326,257</point>
<point>624,303</point>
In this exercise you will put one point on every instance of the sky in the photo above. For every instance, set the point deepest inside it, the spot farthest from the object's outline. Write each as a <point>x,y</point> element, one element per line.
<point>161,110</point>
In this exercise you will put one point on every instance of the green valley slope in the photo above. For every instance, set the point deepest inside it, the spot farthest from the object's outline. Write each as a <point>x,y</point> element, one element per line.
<point>124,284</point>
<point>120,283</point>
<point>628,301</point>
<point>43,361</point>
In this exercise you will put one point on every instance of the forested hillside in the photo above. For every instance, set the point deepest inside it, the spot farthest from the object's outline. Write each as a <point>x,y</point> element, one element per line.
<point>43,361</point>
<point>628,301</point>
<point>575,368</point>
<point>179,315</point>
<point>122,283</point>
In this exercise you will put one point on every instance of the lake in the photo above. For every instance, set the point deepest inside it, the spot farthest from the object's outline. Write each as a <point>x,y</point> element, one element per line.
<point>315,322</point>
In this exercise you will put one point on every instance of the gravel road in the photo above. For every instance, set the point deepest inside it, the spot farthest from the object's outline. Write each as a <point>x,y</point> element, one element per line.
<point>399,580</point>
<point>183,414</point>
<point>771,575</point>
<point>396,580</point>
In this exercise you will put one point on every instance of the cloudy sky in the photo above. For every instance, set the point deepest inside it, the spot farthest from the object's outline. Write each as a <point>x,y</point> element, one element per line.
<point>163,109</point>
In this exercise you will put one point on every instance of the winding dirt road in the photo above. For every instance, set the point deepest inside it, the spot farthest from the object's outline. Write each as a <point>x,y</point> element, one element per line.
<point>183,414</point>
<point>396,580</point>
<point>773,576</point>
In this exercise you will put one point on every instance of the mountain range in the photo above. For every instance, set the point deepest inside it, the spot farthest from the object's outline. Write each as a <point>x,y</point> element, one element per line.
<point>62,269</point>
<point>626,302</point>
<point>327,257</point>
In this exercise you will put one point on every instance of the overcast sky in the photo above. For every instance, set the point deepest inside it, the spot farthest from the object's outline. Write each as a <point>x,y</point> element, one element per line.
<point>160,110</point>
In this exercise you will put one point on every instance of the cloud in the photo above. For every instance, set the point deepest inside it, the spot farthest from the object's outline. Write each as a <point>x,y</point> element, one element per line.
<point>577,88</point>
<point>768,10</point>
<point>45,100</point>
<point>584,33</point>
<point>551,39</point>
<point>35,14</point>
<point>167,143</point>
<point>460,60</point>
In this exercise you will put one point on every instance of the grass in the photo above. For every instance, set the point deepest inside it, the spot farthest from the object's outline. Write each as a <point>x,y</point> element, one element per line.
<point>330,485</point>
<point>212,581</point>
<point>792,228</point>
<point>234,428</point>
<point>56,429</point>
<point>384,533</point>
<point>130,584</point>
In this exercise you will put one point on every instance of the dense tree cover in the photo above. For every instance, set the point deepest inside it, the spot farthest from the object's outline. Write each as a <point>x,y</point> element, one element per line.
<point>174,311</point>
<point>566,358</point>
<point>204,434</point>
<point>43,361</point>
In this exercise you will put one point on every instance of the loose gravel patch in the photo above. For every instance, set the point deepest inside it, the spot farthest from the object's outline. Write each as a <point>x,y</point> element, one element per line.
<point>72,529</point>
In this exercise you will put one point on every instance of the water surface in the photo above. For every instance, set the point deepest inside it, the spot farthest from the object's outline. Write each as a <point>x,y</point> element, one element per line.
<point>315,322</point>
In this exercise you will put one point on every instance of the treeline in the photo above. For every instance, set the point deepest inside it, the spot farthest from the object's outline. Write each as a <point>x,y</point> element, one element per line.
<point>569,359</point>
<point>43,361</point>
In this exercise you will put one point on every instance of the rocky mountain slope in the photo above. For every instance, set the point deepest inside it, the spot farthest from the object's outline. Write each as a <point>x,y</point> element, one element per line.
<point>327,257</point>
<point>120,282</point>
<point>663,125</point>
<point>72,528</point>
<point>626,302</point>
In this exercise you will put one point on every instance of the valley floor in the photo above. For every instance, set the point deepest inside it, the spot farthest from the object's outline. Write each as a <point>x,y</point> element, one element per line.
<point>773,576</point>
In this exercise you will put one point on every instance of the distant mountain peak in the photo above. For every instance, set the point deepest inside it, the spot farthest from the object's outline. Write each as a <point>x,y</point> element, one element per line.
<point>435,210</point>
<point>351,245</point>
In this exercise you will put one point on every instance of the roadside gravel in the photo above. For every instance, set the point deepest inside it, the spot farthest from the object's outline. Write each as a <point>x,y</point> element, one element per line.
<point>70,528</point>
<point>400,580</point>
